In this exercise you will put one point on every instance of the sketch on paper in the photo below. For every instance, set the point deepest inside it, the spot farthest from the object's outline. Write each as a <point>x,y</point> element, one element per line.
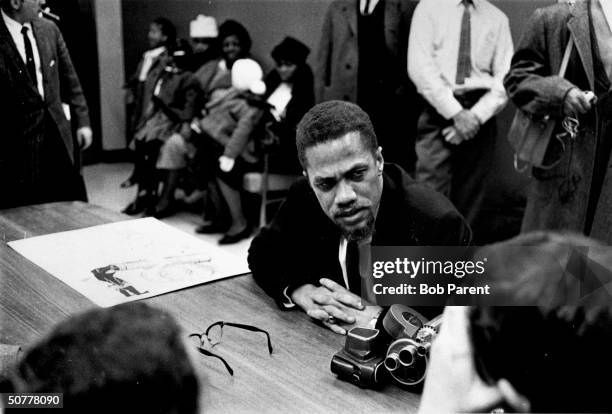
<point>129,260</point>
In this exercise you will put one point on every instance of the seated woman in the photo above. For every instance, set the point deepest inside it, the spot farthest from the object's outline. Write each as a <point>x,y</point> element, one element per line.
<point>224,136</point>
<point>290,93</point>
<point>173,102</point>
<point>140,86</point>
<point>235,44</point>
<point>178,153</point>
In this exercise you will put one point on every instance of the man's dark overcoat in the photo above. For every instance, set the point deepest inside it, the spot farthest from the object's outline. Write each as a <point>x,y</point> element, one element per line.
<point>559,197</point>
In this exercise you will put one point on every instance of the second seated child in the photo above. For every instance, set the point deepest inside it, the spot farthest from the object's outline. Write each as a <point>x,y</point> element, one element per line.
<point>225,135</point>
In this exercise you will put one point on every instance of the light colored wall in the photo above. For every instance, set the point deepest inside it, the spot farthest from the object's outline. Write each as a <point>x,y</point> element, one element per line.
<point>109,27</point>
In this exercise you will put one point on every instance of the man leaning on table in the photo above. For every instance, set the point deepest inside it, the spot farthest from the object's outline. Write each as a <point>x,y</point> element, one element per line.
<point>312,254</point>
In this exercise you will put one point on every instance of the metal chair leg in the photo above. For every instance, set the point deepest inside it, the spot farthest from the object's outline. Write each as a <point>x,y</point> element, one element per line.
<point>264,193</point>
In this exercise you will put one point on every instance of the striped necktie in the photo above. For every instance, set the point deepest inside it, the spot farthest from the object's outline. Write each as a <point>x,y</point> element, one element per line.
<point>464,59</point>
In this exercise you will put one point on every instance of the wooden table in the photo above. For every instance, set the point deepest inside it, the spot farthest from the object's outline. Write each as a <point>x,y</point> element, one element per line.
<point>296,378</point>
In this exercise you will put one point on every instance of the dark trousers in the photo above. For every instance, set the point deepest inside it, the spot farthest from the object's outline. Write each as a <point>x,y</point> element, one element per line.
<point>49,174</point>
<point>458,171</point>
<point>394,119</point>
<point>145,172</point>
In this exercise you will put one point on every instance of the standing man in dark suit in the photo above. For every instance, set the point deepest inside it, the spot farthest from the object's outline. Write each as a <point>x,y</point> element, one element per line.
<point>39,156</point>
<point>362,59</point>
<point>316,252</point>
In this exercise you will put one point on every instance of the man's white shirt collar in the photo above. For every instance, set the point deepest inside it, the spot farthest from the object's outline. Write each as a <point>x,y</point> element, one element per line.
<point>606,5</point>
<point>14,28</point>
<point>371,6</point>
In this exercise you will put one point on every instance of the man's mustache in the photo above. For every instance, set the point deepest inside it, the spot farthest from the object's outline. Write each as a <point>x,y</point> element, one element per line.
<point>348,212</point>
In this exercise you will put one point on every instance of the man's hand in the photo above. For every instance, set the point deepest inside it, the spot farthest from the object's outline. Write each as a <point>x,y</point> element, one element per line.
<point>452,136</point>
<point>366,318</point>
<point>329,303</point>
<point>466,124</point>
<point>226,164</point>
<point>84,137</point>
<point>577,102</point>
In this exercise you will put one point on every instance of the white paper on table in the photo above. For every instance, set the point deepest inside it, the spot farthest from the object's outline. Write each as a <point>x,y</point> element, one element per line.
<point>129,260</point>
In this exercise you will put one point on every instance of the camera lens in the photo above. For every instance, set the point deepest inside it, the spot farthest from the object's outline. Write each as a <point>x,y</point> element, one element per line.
<point>392,362</point>
<point>423,349</point>
<point>412,320</point>
<point>406,355</point>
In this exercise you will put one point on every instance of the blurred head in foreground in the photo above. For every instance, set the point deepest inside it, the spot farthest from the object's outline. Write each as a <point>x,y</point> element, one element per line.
<point>550,352</point>
<point>129,358</point>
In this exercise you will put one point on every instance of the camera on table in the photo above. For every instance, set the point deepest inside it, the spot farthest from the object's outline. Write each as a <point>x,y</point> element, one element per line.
<point>399,349</point>
<point>361,361</point>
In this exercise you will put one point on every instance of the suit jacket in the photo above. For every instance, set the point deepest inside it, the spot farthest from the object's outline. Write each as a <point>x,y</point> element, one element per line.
<point>338,55</point>
<point>22,109</point>
<point>534,86</point>
<point>301,244</point>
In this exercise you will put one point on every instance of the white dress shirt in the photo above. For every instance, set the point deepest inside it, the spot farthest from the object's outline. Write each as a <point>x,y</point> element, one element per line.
<point>14,28</point>
<point>365,258</point>
<point>606,5</point>
<point>371,6</point>
<point>433,50</point>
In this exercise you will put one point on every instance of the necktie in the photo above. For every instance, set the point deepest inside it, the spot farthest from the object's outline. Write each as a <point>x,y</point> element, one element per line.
<point>352,267</point>
<point>30,65</point>
<point>464,60</point>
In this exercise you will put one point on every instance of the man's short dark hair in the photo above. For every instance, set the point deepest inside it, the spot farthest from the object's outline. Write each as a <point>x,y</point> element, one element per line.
<point>5,5</point>
<point>331,120</point>
<point>129,358</point>
<point>556,355</point>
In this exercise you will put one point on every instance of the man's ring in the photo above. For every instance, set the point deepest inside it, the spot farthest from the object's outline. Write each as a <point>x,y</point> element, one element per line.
<point>331,319</point>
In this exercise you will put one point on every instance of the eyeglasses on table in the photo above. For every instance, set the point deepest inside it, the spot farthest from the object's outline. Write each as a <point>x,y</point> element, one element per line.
<point>212,336</point>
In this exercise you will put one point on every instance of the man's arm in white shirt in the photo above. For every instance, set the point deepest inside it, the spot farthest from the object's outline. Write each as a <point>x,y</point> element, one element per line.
<point>494,101</point>
<point>422,68</point>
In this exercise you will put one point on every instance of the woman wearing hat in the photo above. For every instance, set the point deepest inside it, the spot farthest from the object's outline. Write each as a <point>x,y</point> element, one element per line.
<point>204,35</point>
<point>290,93</point>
